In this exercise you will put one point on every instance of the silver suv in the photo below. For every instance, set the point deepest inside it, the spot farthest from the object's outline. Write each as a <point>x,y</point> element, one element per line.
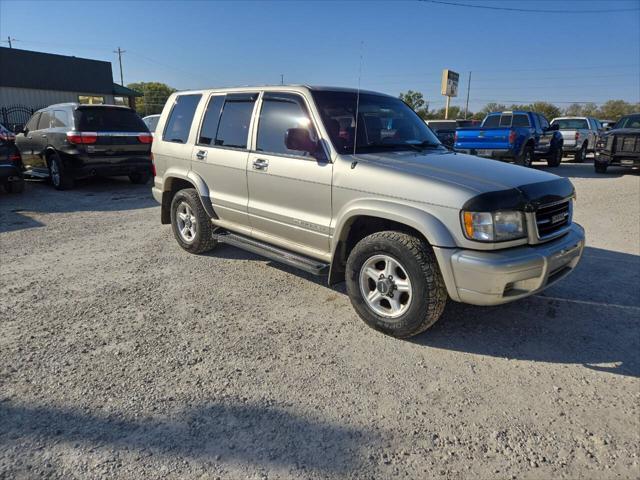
<point>353,185</point>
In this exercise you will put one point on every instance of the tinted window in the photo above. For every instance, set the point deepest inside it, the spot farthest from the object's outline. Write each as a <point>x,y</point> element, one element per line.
<point>279,113</point>
<point>211,120</point>
<point>520,120</point>
<point>632,121</point>
<point>544,123</point>
<point>491,121</point>
<point>33,123</point>
<point>180,118</point>
<point>152,123</point>
<point>45,120</point>
<point>384,123</point>
<point>105,119</point>
<point>234,121</point>
<point>505,120</point>
<point>60,119</point>
<point>571,123</point>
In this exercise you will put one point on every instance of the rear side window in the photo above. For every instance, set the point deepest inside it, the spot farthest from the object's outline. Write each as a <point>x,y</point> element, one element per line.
<point>505,120</point>
<point>279,113</point>
<point>105,119</point>
<point>520,120</point>
<point>491,121</point>
<point>234,121</point>
<point>45,120</point>
<point>211,120</point>
<point>32,124</point>
<point>180,118</point>
<point>60,119</point>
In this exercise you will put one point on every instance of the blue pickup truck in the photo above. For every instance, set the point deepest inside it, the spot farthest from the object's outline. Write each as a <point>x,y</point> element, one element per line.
<point>517,136</point>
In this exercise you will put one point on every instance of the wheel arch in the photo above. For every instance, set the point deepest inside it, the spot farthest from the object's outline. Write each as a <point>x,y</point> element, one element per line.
<point>362,220</point>
<point>176,180</point>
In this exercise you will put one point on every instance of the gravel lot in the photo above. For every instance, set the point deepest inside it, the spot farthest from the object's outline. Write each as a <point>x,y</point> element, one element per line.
<point>123,356</point>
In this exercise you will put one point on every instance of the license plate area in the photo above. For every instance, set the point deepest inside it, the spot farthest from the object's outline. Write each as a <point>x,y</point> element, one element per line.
<point>484,153</point>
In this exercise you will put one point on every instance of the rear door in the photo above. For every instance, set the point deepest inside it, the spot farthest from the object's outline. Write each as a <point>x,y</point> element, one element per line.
<point>221,152</point>
<point>289,190</point>
<point>121,135</point>
<point>24,141</point>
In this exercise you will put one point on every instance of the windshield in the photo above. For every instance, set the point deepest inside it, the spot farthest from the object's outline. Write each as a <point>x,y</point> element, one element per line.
<point>632,121</point>
<point>571,123</point>
<point>384,123</point>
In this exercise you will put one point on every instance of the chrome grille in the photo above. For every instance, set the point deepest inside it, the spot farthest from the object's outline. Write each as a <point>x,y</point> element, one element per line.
<point>553,217</point>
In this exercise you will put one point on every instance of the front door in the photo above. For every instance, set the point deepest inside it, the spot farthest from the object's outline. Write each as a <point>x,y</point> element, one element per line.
<point>221,153</point>
<point>289,190</point>
<point>546,135</point>
<point>24,141</point>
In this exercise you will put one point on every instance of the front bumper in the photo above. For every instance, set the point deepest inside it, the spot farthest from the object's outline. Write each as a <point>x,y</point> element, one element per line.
<point>618,160</point>
<point>10,173</point>
<point>496,277</point>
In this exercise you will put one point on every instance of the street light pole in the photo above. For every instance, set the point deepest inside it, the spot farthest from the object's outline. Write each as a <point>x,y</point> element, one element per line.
<point>466,109</point>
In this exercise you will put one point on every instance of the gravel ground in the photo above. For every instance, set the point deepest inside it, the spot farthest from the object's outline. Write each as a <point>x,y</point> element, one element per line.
<point>125,357</point>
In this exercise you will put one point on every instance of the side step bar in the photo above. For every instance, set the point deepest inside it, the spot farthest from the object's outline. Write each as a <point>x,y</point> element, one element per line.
<point>277,254</point>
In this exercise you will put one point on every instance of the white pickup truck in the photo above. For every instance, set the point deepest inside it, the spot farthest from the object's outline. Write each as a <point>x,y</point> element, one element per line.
<point>580,135</point>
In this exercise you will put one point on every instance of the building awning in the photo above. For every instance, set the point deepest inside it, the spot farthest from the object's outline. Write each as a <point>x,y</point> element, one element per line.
<point>124,91</point>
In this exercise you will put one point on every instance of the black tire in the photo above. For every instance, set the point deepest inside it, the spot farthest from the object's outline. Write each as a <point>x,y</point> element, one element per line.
<point>202,240</point>
<point>62,180</point>
<point>556,157</point>
<point>600,167</point>
<point>428,291</point>
<point>526,157</point>
<point>581,155</point>
<point>16,186</point>
<point>140,178</point>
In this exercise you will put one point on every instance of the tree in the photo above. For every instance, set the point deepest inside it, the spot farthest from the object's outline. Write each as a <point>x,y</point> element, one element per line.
<point>154,96</point>
<point>549,110</point>
<point>614,109</point>
<point>417,102</point>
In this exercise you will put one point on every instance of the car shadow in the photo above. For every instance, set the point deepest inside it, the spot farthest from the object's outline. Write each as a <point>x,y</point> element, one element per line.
<point>93,194</point>
<point>591,318</point>
<point>571,169</point>
<point>230,431</point>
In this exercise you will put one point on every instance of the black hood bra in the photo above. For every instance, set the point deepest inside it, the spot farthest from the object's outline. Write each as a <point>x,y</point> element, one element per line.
<point>526,198</point>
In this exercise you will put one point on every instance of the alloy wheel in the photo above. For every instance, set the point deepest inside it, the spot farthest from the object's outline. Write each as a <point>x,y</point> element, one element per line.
<point>385,286</point>
<point>187,223</point>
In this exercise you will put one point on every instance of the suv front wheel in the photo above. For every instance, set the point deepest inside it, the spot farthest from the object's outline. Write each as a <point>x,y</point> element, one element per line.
<point>394,283</point>
<point>191,224</point>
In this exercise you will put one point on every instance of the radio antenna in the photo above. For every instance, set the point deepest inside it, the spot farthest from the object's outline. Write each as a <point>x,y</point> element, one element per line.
<point>355,131</point>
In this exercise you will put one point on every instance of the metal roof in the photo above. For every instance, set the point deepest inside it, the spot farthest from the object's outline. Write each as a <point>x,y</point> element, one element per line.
<point>46,71</point>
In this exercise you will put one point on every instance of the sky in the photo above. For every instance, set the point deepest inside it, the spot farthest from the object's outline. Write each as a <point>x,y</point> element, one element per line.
<point>514,56</point>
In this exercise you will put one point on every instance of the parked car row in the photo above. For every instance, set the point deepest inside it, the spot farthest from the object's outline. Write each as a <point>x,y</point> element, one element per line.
<point>70,141</point>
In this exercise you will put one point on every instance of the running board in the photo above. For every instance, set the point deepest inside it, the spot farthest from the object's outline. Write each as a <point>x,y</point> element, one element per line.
<point>271,252</point>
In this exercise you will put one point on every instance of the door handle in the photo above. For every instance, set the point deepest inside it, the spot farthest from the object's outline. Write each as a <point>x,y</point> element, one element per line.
<point>260,164</point>
<point>201,154</point>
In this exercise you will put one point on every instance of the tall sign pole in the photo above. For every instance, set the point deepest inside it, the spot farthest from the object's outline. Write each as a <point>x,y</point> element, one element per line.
<point>466,108</point>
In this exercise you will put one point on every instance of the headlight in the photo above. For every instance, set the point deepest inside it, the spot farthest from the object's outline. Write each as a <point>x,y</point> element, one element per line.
<point>493,226</point>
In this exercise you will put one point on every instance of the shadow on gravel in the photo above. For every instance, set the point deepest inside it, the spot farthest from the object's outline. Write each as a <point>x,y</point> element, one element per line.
<point>222,433</point>
<point>89,195</point>
<point>592,318</point>
<point>570,169</point>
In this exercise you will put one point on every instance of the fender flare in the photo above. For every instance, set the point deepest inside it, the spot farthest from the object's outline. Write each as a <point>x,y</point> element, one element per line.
<point>427,224</point>
<point>194,179</point>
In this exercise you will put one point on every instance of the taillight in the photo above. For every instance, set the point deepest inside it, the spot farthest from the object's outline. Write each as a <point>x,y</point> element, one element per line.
<point>153,166</point>
<point>577,136</point>
<point>145,138</point>
<point>15,158</point>
<point>512,136</point>
<point>82,137</point>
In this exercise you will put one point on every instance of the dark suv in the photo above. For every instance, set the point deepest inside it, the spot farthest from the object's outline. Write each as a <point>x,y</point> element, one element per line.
<point>67,141</point>
<point>619,146</point>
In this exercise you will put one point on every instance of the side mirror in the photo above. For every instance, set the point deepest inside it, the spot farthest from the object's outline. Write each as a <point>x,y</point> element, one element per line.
<point>554,128</point>
<point>299,139</point>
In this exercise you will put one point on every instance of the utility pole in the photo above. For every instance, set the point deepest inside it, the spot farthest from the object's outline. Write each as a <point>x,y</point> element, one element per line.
<point>282,79</point>
<point>466,109</point>
<point>120,52</point>
<point>9,39</point>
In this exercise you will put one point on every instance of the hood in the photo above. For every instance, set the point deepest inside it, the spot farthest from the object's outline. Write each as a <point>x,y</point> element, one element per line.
<point>490,184</point>
<point>623,131</point>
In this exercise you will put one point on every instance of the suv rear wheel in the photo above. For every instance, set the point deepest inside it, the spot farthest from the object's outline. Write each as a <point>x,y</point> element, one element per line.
<point>556,158</point>
<point>526,157</point>
<point>191,224</point>
<point>60,177</point>
<point>394,283</point>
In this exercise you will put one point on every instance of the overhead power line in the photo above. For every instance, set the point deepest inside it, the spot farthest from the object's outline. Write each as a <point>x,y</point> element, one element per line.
<point>530,10</point>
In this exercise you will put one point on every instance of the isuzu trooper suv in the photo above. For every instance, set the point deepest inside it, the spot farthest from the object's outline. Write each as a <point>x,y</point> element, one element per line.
<point>353,185</point>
